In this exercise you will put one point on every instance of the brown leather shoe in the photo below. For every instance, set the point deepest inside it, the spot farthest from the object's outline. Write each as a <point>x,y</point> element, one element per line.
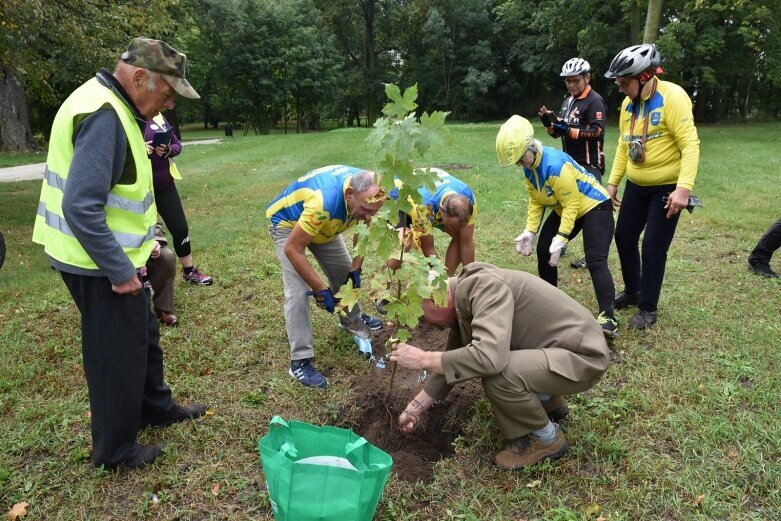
<point>169,319</point>
<point>556,408</point>
<point>530,450</point>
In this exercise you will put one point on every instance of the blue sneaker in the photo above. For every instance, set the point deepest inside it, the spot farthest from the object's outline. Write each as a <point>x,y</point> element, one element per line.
<point>374,323</point>
<point>305,372</point>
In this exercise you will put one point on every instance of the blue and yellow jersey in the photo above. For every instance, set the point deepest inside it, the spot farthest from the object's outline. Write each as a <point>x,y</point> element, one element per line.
<point>556,181</point>
<point>672,148</point>
<point>445,186</point>
<point>316,202</point>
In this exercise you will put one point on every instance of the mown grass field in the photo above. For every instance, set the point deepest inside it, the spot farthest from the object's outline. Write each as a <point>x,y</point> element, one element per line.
<point>684,425</point>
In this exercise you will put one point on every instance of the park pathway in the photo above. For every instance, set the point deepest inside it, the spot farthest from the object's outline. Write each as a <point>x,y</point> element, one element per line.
<point>35,171</point>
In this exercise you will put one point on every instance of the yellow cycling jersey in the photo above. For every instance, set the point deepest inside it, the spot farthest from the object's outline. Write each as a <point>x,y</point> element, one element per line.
<point>316,202</point>
<point>556,181</point>
<point>672,148</point>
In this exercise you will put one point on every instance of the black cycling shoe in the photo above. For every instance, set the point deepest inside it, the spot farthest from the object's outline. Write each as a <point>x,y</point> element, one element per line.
<point>624,300</point>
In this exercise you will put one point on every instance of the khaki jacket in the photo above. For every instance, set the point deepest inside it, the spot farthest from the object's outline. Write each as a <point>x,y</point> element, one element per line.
<point>502,310</point>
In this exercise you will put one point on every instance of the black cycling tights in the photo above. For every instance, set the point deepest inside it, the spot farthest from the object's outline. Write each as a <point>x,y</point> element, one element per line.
<point>169,206</point>
<point>597,226</point>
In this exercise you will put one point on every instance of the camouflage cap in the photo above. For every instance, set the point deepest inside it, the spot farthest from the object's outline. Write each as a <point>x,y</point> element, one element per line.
<point>158,56</point>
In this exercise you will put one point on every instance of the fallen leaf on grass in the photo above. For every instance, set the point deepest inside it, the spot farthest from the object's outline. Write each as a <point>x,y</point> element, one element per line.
<point>209,412</point>
<point>216,489</point>
<point>17,511</point>
<point>600,518</point>
<point>698,500</point>
<point>592,509</point>
<point>534,484</point>
<point>206,372</point>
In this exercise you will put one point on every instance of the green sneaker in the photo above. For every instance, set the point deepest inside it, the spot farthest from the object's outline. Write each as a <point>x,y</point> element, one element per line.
<point>609,325</point>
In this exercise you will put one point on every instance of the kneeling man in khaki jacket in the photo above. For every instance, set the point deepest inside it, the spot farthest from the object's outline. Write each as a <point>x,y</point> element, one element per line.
<point>528,342</point>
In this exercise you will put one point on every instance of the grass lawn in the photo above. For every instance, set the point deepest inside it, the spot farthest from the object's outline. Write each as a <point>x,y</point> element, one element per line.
<point>8,159</point>
<point>684,425</point>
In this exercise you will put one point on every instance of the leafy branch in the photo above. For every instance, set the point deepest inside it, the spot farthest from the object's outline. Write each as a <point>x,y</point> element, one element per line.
<point>400,142</point>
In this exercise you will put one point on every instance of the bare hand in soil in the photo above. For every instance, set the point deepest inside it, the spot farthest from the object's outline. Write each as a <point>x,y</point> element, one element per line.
<point>408,422</point>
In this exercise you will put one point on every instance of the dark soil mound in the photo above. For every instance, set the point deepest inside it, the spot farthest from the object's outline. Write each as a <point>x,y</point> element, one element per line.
<point>414,455</point>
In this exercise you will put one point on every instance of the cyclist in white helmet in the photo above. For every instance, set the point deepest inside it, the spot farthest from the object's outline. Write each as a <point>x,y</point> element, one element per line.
<point>658,151</point>
<point>581,122</point>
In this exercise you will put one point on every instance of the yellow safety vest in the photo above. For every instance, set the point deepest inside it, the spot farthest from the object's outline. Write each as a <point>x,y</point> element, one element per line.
<point>131,213</point>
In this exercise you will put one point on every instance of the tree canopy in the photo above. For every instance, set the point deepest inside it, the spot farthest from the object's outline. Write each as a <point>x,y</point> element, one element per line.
<point>259,63</point>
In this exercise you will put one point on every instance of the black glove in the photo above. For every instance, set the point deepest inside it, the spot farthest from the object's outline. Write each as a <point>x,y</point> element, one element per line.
<point>355,276</point>
<point>545,118</point>
<point>694,202</point>
<point>325,299</point>
<point>560,128</point>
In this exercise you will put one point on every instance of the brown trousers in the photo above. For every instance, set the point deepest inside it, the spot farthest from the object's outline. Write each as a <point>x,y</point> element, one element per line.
<point>513,392</point>
<point>162,272</point>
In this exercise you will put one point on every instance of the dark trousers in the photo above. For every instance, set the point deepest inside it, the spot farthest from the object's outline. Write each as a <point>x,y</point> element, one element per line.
<point>642,208</point>
<point>597,226</point>
<point>593,171</point>
<point>123,364</point>
<point>169,206</point>
<point>767,245</point>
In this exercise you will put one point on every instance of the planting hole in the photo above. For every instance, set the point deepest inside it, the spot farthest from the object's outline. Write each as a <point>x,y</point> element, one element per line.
<point>375,416</point>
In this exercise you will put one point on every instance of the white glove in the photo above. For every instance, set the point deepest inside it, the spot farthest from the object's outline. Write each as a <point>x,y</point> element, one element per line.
<point>556,246</point>
<point>524,242</point>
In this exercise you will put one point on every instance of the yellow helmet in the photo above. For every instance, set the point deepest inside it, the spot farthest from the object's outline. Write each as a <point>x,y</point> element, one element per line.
<point>514,138</point>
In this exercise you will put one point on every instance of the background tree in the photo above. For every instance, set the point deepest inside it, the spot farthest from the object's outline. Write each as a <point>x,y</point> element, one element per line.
<point>263,63</point>
<point>49,48</point>
<point>366,37</point>
<point>720,52</point>
<point>653,18</point>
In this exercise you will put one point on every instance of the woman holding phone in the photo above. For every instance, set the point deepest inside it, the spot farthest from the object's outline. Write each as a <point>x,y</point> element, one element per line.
<point>163,145</point>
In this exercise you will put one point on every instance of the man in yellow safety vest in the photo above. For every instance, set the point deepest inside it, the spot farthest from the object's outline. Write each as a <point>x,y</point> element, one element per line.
<point>96,219</point>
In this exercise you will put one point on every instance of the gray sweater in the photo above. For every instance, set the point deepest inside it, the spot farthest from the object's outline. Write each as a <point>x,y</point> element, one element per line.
<point>101,160</point>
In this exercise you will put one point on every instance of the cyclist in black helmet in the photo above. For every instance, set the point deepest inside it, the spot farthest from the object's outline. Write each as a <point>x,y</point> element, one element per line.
<point>581,122</point>
<point>658,151</point>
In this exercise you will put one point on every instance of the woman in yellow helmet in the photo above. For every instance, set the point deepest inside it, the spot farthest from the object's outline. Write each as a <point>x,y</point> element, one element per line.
<point>554,180</point>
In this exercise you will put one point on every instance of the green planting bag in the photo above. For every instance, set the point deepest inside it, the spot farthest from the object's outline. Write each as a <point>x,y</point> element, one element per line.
<point>321,473</point>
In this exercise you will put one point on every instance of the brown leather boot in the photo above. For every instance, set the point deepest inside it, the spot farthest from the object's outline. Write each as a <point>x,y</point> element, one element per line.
<point>530,450</point>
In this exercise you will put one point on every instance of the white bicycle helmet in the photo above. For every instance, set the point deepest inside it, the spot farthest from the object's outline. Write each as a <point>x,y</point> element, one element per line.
<point>575,67</point>
<point>633,61</point>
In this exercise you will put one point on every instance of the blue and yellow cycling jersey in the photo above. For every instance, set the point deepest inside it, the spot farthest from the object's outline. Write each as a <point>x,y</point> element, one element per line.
<point>316,202</point>
<point>445,186</point>
<point>672,147</point>
<point>556,181</point>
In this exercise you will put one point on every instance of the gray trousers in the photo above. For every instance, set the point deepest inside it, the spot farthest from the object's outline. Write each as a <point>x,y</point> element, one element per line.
<point>335,261</point>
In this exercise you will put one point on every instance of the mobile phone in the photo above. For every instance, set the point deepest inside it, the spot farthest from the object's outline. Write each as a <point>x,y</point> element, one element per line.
<point>160,138</point>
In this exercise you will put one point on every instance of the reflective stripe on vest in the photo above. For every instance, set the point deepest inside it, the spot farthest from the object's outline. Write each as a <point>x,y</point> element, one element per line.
<point>130,209</point>
<point>126,240</point>
<point>113,200</point>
